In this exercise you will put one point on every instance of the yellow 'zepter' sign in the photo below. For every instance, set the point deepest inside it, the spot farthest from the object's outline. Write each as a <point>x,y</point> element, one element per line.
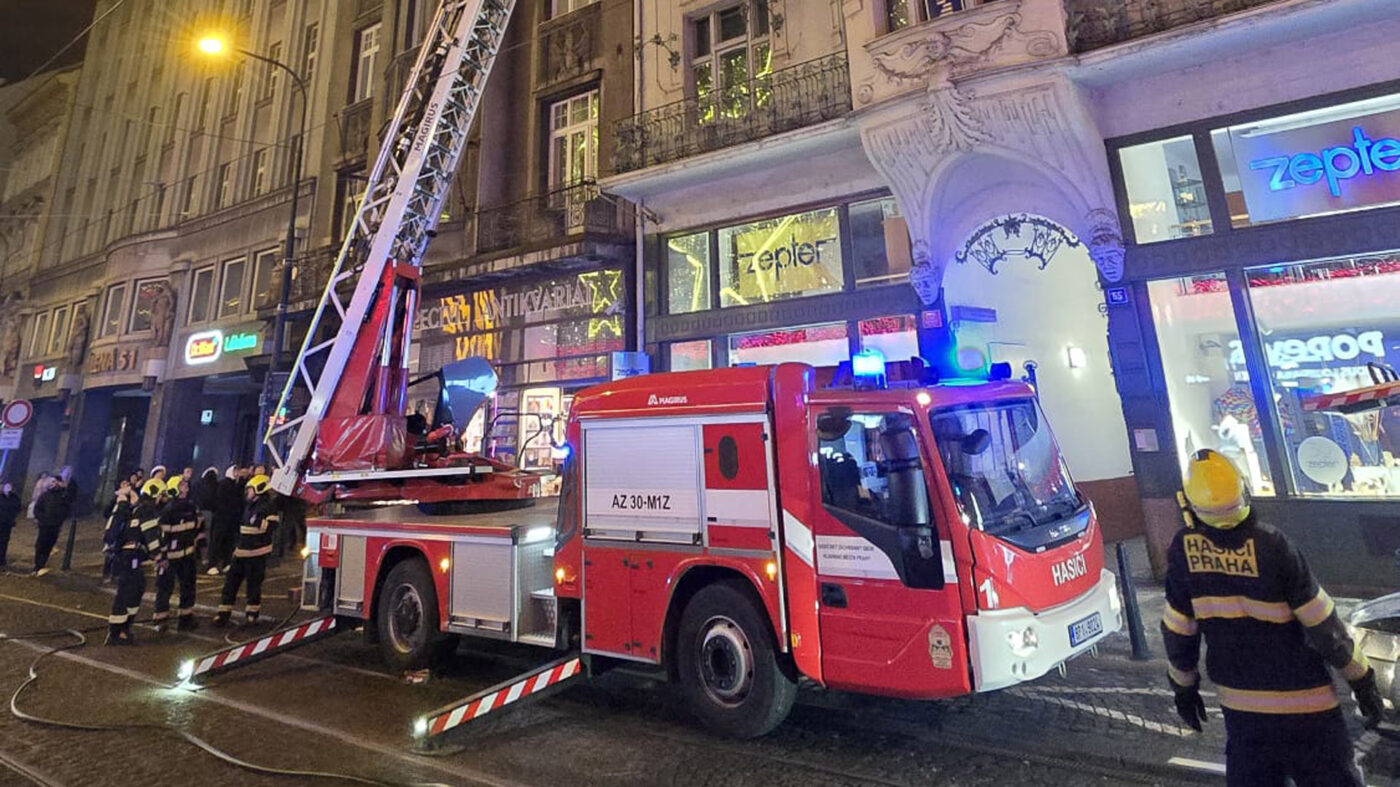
<point>1203,557</point>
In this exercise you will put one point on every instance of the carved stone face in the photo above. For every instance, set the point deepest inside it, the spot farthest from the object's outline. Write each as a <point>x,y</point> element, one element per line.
<point>1109,258</point>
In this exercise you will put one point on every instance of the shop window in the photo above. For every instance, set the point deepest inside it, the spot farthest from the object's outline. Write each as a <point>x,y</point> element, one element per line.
<point>1166,195</point>
<point>880,249</point>
<point>1313,163</point>
<point>263,267</point>
<point>231,289</point>
<point>201,288</point>
<point>818,345</point>
<point>1322,324</point>
<point>144,302</point>
<point>59,334</point>
<point>896,338</point>
<point>688,273</point>
<point>113,310</point>
<point>40,335</point>
<point>785,257</point>
<point>732,66</point>
<point>690,356</point>
<point>1206,379</point>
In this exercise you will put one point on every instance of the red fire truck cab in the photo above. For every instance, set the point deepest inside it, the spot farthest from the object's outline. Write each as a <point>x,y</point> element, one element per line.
<point>743,528</point>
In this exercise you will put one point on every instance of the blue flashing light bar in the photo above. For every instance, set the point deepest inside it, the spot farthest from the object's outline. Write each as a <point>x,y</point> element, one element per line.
<point>868,363</point>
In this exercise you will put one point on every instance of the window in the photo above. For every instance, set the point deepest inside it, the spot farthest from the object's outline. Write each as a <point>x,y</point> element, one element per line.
<point>818,345</point>
<point>263,267</point>
<point>688,273</point>
<point>189,205</point>
<point>310,43</point>
<point>40,335</point>
<point>872,479</point>
<point>417,15</point>
<point>59,334</point>
<point>561,7</point>
<point>690,356</point>
<point>231,288</point>
<point>897,15</point>
<point>201,288</point>
<point>1322,323</point>
<point>174,121</point>
<point>157,215</point>
<point>235,96</point>
<point>363,71</point>
<point>896,338</point>
<point>143,303</point>
<point>780,258</point>
<point>733,61</point>
<point>880,246</point>
<point>900,14</point>
<point>113,311</point>
<point>1206,379</point>
<point>349,188</point>
<point>205,97</point>
<point>1166,197</point>
<point>272,73</point>
<point>223,186</point>
<point>573,141</point>
<point>259,171</point>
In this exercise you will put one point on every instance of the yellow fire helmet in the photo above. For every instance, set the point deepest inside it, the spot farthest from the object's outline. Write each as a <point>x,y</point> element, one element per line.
<point>153,488</point>
<point>1216,490</point>
<point>174,485</point>
<point>259,483</point>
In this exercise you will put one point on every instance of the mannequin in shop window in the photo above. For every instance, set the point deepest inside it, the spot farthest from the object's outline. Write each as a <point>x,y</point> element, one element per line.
<point>1237,428</point>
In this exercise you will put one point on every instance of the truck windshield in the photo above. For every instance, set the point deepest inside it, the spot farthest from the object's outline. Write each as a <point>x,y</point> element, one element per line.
<point>1004,465</point>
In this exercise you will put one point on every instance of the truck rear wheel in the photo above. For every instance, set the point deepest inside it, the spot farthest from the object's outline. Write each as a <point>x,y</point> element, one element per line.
<point>407,619</point>
<point>728,666</point>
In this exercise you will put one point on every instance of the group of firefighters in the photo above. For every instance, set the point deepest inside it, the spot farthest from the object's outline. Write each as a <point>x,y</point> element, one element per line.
<point>159,523</point>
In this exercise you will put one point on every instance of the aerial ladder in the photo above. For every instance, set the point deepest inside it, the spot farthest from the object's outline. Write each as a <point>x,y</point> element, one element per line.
<point>350,443</point>
<point>339,429</point>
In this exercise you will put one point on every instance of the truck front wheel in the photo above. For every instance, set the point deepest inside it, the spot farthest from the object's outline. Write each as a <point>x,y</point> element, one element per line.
<point>729,669</point>
<point>407,619</point>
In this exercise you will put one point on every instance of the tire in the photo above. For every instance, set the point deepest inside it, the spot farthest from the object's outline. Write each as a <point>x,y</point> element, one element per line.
<point>406,619</point>
<point>728,667</point>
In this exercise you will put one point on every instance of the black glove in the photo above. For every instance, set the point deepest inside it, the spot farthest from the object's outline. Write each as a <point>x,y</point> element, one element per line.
<point>1368,699</point>
<point>1189,705</point>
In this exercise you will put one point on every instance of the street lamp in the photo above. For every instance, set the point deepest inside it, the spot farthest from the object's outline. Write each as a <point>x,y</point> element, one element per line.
<point>217,46</point>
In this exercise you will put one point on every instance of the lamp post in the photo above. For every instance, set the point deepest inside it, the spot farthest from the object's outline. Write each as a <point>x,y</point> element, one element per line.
<point>217,46</point>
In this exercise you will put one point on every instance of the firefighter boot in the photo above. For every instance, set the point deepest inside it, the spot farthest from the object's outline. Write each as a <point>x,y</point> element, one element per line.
<point>250,618</point>
<point>186,623</point>
<point>162,625</point>
<point>119,634</point>
<point>221,619</point>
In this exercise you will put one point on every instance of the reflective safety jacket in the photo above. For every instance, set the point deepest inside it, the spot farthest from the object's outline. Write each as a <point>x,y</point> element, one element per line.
<point>1270,631</point>
<point>179,527</point>
<point>260,519</point>
<point>141,534</point>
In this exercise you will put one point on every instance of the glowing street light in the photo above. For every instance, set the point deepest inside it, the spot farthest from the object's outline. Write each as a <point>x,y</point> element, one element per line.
<point>212,45</point>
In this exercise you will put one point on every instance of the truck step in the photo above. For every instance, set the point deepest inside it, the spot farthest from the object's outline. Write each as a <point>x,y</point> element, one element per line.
<point>539,682</point>
<point>256,650</point>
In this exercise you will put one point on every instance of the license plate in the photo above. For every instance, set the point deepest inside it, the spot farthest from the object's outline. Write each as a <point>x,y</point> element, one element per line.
<point>1084,630</point>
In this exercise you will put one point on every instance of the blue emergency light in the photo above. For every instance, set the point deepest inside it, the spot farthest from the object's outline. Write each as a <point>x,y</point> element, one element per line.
<point>868,368</point>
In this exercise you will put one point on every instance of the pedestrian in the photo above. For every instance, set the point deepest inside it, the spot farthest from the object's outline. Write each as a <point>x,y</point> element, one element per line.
<point>228,510</point>
<point>1270,633</point>
<point>179,533</point>
<point>135,541</point>
<point>255,533</point>
<point>70,489</point>
<point>188,475</point>
<point>41,485</point>
<point>10,506</point>
<point>50,512</point>
<point>205,493</point>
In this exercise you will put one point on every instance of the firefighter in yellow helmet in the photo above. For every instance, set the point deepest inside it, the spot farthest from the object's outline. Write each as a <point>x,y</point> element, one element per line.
<point>179,531</point>
<point>255,532</point>
<point>1270,634</point>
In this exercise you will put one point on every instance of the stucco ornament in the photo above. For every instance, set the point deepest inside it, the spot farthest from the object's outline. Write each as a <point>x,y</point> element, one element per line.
<point>926,274</point>
<point>1106,244</point>
<point>77,339</point>
<point>162,315</point>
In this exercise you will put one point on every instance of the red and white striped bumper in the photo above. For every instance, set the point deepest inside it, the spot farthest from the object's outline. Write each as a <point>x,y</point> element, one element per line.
<point>1381,395</point>
<point>258,649</point>
<point>531,684</point>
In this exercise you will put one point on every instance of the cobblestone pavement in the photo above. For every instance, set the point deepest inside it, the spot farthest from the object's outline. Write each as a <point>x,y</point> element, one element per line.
<point>331,706</point>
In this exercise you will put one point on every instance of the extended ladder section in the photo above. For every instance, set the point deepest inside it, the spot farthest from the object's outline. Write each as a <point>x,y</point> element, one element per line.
<point>359,373</point>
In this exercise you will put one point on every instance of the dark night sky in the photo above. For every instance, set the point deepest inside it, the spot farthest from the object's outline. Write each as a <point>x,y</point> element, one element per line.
<point>32,30</point>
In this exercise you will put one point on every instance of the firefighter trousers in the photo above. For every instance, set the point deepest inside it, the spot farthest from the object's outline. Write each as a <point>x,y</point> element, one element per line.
<point>131,584</point>
<point>1267,750</point>
<point>251,568</point>
<point>179,572</point>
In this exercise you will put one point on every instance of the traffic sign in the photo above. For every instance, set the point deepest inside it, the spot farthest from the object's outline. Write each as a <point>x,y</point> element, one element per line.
<point>16,414</point>
<point>10,438</point>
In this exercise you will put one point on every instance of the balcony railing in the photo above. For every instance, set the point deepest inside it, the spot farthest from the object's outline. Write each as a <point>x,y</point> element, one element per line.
<point>1094,24</point>
<point>553,218</point>
<point>802,95</point>
<point>569,44</point>
<point>310,272</point>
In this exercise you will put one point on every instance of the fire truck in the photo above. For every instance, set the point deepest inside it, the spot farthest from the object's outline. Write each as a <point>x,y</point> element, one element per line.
<point>741,529</point>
